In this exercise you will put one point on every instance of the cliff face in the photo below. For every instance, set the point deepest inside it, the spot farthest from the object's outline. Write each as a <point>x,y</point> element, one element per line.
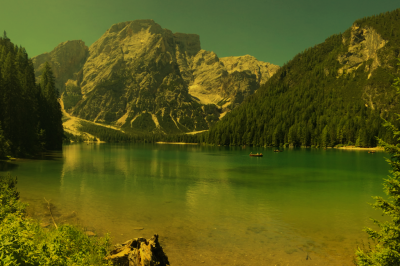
<point>132,79</point>
<point>65,61</point>
<point>225,81</point>
<point>262,70</point>
<point>363,45</point>
<point>363,50</point>
<point>143,78</point>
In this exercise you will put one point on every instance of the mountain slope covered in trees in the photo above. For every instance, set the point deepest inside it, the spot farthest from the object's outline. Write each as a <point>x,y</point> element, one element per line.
<point>30,115</point>
<point>334,93</point>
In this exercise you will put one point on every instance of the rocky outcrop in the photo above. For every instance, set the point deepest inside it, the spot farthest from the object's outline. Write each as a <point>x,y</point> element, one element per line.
<point>225,81</point>
<point>139,252</point>
<point>262,70</point>
<point>66,60</point>
<point>363,46</point>
<point>132,79</point>
<point>366,49</point>
<point>143,78</point>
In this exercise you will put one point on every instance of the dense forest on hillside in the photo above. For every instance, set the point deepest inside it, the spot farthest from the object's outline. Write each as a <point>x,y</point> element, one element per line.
<point>309,102</point>
<point>30,115</point>
<point>114,136</point>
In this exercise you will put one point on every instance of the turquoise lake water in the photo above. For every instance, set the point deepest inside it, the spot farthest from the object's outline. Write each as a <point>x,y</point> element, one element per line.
<point>216,205</point>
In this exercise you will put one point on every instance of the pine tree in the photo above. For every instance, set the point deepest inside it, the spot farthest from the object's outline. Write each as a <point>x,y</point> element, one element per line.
<point>387,240</point>
<point>4,145</point>
<point>325,137</point>
<point>11,104</point>
<point>24,109</point>
<point>50,110</point>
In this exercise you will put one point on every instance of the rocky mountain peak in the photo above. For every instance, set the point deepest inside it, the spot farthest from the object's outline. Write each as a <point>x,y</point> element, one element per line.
<point>364,43</point>
<point>144,78</point>
<point>262,70</point>
<point>190,43</point>
<point>65,60</point>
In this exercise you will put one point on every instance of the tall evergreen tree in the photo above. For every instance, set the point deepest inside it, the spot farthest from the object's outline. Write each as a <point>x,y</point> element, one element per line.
<point>4,145</point>
<point>50,110</point>
<point>25,111</point>
<point>387,249</point>
<point>11,104</point>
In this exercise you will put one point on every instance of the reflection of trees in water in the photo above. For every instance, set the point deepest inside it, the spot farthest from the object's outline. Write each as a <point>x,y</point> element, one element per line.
<point>6,166</point>
<point>51,155</point>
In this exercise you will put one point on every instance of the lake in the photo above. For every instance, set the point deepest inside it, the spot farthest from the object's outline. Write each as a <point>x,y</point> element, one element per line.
<point>214,205</point>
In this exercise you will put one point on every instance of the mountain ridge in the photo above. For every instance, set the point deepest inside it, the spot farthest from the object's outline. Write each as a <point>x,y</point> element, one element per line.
<point>143,78</point>
<point>335,93</point>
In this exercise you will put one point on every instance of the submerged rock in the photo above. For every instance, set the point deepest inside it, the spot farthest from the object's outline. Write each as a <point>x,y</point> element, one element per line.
<point>90,233</point>
<point>139,252</point>
<point>44,225</point>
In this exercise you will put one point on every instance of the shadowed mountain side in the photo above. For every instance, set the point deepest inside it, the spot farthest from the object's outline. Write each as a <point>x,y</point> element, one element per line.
<point>65,60</point>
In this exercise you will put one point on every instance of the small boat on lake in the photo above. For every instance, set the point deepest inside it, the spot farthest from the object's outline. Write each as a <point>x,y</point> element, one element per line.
<point>256,155</point>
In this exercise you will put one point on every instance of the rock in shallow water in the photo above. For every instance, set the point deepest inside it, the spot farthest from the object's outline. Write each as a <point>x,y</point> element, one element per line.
<point>90,233</point>
<point>139,252</point>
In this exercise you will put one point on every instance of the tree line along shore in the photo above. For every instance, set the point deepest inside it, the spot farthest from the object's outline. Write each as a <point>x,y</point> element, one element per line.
<point>30,115</point>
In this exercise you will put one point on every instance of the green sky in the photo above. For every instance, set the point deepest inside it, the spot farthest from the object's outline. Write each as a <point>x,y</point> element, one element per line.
<point>271,30</point>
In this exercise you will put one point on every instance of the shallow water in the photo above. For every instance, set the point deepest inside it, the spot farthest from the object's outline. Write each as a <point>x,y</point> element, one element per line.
<point>216,205</point>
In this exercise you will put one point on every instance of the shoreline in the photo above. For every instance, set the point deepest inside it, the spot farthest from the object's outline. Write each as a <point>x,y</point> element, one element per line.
<point>94,142</point>
<point>361,149</point>
<point>178,143</point>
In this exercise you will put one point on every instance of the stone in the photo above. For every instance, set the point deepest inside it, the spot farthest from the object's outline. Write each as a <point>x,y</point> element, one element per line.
<point>44,225</point>
<point>139,252</point>
<point>90,233</point>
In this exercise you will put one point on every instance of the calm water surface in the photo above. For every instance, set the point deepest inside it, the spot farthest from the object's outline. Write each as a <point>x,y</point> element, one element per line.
<point>216,205</point>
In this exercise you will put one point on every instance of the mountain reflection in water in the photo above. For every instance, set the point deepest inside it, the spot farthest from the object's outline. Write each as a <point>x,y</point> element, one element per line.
<point>215,204</point>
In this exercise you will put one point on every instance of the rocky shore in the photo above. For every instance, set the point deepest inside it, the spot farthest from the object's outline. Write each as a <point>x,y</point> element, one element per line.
<point>139,252</point>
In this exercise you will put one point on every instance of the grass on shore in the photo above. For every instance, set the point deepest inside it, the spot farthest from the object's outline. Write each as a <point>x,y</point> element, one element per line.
<point>24,242</point>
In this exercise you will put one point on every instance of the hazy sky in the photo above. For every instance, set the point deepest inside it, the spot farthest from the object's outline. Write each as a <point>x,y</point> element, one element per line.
<point>271,30</point>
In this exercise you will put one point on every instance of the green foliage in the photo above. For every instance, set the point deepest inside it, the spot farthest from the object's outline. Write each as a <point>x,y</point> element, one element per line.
<point>68,138</point>
<point>144,122</point>
<point>4,145</point>
<point>387,249</point>
<point>51,115</point>
<point>71,96</point>
<point>111,135</point>
<point>307,102</point>
<point>24,242</point>
<point>26,109</point>
<point>71,100</point>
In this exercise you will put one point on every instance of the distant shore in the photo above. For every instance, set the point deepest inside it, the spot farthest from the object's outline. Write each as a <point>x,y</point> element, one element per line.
<point>179,143</point>
<point>361,149</point>
<point>94,141</point>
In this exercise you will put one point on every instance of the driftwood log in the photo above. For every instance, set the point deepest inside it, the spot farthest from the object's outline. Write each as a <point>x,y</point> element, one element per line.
<point>49,207</point>
<point>139,252</point>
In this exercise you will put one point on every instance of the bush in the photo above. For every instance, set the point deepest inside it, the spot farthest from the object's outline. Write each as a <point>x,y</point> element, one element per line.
<point>24,242</point>
<point>387,241</point>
